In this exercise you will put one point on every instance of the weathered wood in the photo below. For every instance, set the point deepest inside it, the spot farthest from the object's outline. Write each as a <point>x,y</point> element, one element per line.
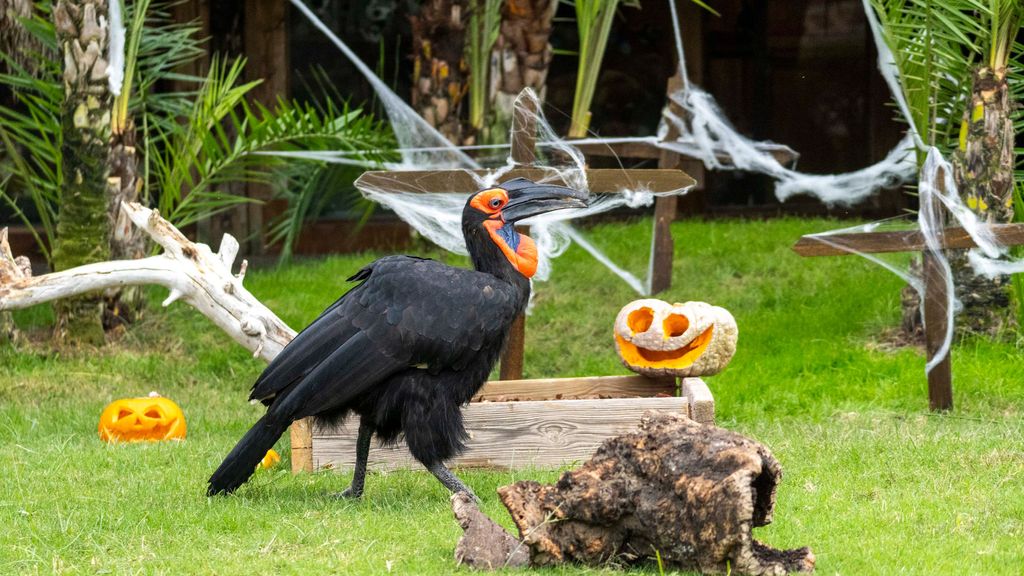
<point>936,319</point>
<point>662,246</point>
<point>509,435</point>
<point>511,367</point>
<point>302,445</point>
<point>574,388</point>
<point>601,181</point>
<point>702,403</point>
<point>954,237</point>
<point>651,151</point>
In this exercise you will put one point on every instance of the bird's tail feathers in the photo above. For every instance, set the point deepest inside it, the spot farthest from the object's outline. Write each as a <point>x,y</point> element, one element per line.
<point>239,465</point>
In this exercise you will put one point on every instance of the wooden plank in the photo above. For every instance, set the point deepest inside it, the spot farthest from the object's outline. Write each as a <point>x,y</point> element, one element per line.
<point>302,445</point>
<point>702,403</point>
<point>509,435</point>
<point>602,181</point>
<point>573,388</point>
<point>650,151</point>
<point>909,241</point>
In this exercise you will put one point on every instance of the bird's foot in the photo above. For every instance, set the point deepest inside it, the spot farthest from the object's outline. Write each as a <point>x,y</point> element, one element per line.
<point>351,493</point>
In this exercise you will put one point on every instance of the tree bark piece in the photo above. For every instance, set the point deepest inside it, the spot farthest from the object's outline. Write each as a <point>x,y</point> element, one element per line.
<point>439,70</point>
<point>484,545</point>
<point>688,492</point>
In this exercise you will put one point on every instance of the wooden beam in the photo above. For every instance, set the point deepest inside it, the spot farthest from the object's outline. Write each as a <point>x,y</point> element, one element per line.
<point>662,245</point>
<point>576,388</point>
<point>910,241</point>
<point>510,435</point>
<point>649,151</point>
<point>603,181</point>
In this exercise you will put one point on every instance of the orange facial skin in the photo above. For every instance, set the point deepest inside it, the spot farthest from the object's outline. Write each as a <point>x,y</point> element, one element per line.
<point>524,258</point>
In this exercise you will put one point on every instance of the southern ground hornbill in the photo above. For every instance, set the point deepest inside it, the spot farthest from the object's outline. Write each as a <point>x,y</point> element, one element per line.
<point>408,346</point>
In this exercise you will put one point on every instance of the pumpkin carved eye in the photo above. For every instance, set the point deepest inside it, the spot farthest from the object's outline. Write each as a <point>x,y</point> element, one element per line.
<point>656,338</point>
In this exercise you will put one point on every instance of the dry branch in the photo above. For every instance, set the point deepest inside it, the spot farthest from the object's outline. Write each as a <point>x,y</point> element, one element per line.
<point>191,271</point>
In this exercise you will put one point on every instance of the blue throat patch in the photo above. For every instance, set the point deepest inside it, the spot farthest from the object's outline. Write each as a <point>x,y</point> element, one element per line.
<point>509,235</point>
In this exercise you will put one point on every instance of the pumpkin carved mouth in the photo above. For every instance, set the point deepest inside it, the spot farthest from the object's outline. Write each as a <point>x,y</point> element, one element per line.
<point>681,357</point>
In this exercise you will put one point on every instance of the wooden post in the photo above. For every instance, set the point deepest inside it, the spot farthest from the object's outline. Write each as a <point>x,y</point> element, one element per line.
<point>524,134</point>
<point>302,445</point>
<point>936,319</point>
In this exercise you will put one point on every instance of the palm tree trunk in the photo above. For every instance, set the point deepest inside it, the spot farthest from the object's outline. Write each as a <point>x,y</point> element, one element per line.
<point>126,241</point>
<point>983,169</point>
<point>83,225</point>
<point>439,70</point>
<point>522,55</point>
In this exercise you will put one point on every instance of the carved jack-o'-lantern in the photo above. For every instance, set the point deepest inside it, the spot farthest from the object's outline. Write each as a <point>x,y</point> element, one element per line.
<point>656,338</point>
<point>136,419</point>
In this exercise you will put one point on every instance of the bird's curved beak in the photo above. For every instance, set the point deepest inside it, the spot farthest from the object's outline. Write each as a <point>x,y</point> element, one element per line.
<point>525,201</point>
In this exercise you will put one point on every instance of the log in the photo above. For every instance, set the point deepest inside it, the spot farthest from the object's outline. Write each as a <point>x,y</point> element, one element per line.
<point>191,271</point>
<point>687,493</point>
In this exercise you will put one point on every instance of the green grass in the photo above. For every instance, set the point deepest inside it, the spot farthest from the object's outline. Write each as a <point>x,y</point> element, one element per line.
<point>873,482</point>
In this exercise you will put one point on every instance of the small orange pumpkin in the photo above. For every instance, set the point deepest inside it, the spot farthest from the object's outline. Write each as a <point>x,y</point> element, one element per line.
<point>270,460</point>
<point>142,419</point>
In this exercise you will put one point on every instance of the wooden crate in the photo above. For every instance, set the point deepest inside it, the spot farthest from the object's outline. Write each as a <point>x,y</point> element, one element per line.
<point>531,423</point>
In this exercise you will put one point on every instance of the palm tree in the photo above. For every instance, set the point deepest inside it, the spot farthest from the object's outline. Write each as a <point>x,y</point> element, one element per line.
<point>958,64</point>
<point>83,228</point>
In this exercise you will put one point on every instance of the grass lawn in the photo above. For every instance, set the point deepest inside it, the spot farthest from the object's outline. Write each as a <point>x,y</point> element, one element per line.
<point>873,482</point>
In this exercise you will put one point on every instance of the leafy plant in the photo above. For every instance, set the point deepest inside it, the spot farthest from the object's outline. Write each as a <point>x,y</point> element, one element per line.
<point>223,139</point>
<point>594,23</point>
<point>484,26</point>
<point>936,44</point>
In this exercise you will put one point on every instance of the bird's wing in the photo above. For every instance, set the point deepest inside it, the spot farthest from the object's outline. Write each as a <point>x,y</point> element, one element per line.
<point>406,312</point>
<point>427,313</point>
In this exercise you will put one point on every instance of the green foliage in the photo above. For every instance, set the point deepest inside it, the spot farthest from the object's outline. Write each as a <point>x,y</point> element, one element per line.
<point>185,165</point>
<point>937,44</point>
<point>873,482</point>
<point>484,26</point>
<point>594,23</point>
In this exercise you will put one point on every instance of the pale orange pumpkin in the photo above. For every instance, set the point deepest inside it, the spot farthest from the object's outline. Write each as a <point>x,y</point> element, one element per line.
<point>142,419</point>
<point>656,338</point>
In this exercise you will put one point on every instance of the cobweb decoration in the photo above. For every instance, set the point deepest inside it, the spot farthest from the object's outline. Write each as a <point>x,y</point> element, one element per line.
<point>707,135</point>
<point>420,144</point>
<point>436,214</point>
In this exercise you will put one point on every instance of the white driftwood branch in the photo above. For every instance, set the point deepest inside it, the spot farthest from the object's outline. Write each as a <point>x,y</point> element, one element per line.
<point>191,271</point>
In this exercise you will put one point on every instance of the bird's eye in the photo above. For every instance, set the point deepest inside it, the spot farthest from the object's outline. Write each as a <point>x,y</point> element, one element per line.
<point>495,203</point>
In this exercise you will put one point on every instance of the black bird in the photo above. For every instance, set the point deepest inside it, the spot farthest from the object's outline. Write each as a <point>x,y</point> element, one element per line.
<point>408,346</point>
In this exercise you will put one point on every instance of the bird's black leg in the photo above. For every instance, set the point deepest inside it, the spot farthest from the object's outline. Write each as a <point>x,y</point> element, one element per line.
<point>355,490</point>
<point>449,479</point>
